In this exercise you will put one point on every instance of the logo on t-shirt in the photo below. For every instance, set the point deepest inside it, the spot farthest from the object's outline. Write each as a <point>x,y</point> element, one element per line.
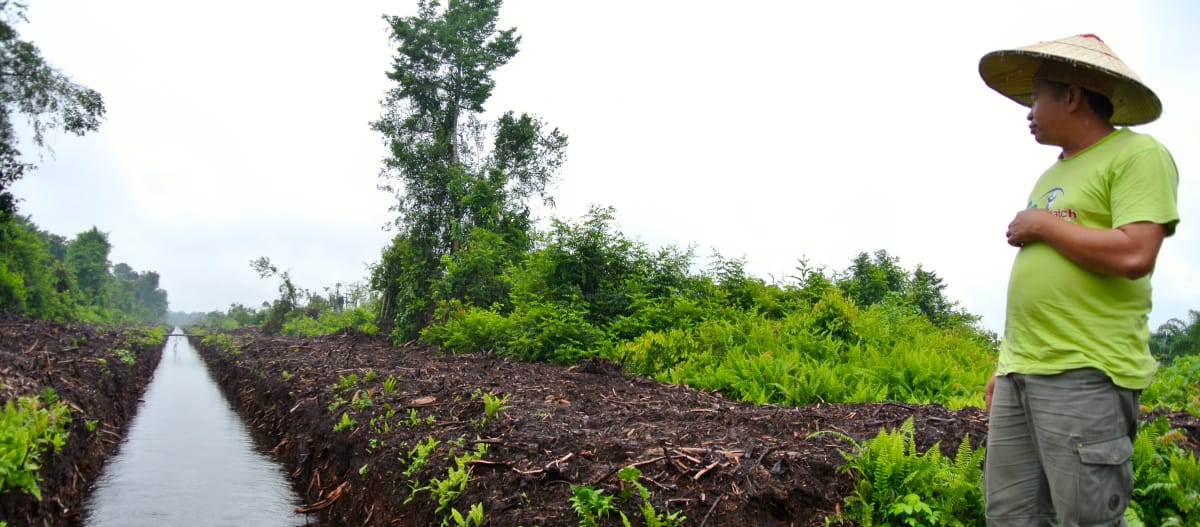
<point>1046,202</point>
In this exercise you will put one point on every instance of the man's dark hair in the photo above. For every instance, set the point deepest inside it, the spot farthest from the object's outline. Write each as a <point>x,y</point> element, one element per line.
<point>1098,102</point>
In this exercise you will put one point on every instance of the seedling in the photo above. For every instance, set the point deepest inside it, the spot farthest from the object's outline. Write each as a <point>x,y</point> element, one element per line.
<point>419,455</point>
<point>474,518</point>
<point>592,505</point>
<point>493,404</point>
<point>630,476</point>
<point>389,385</point>
<point>344,382</point>
<point>345,423</point>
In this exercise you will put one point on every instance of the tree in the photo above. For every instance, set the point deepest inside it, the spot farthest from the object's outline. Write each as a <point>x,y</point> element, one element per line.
<point>87,256</point>
<point>48,98</point>
<point>869,280</point>
<point>33,281</point>
<point>1175,338</point>
<point>445,183</point>
<point>289,294</point>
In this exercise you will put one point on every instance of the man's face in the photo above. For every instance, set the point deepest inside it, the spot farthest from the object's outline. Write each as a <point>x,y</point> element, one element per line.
<point>1048,113</point>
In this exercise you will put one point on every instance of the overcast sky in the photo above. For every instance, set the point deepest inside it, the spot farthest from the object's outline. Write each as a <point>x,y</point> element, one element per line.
<point>765,130</point>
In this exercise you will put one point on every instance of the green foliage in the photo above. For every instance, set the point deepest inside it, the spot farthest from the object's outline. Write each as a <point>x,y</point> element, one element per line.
<point>828,354</point>
<point>28,428</point>
<point>125,356</point>
<point>47,98</point>
<point>870,280</point>
<point>894,482</point>
<point>389,385</point>
<point>419,456</point>
<point>1166,478</point>
<point>87,255</point>
<point>42,275</point>
<point>145,336</point>
<point>447,186</point>
<point>223,343</point>
<point>631,476</point>
<point>32,281</point>
<point>912,511</point>
<point>1175,338</point>
<point>474,518</point>
<point>470,329</point>
<point>592,505</point>
<point>587,290</point>
<point>344,382</point>
<point>493,404</point>
<point>446,489</point>
<point>345,422</point>
<point>301,323</point>
<point>1176,386</point>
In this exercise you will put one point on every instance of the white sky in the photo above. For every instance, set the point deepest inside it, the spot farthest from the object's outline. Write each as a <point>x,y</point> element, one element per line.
<point>770,131</point>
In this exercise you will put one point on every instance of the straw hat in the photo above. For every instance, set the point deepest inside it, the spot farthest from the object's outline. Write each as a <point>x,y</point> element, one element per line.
<point>1081,59</point>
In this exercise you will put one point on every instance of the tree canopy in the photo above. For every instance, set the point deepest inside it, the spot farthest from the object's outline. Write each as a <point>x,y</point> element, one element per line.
<point>31,87</point>
<point>447,183</point>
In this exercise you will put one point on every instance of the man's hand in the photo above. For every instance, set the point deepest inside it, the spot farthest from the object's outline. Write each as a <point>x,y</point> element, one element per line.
<point>1127,251</point>
<point>1026,226</point>
<point>987,394</point>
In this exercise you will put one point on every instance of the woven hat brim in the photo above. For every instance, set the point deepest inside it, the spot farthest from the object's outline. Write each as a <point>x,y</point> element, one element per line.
<point>1011,73</point>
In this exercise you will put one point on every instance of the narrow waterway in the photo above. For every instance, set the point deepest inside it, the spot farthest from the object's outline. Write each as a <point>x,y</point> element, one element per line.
<point>189,459</point>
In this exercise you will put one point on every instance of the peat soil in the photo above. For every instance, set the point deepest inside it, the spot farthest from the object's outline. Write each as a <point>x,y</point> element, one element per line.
<point>79,363</point>
<point>346,434</point>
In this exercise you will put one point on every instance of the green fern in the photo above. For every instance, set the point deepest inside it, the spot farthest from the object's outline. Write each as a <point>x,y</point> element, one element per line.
<point>894,479</point>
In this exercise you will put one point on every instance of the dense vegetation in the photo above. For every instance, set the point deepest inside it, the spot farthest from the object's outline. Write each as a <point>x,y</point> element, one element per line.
<point>470,272</point>
<point>46,276</point>
<point>43,275</point>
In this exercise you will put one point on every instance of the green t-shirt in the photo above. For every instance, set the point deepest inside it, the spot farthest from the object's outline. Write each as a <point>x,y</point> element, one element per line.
<point>1061,316</point>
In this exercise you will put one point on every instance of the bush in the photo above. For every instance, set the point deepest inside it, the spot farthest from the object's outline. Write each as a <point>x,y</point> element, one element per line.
<point>897,485</point>
<point>28,428</point>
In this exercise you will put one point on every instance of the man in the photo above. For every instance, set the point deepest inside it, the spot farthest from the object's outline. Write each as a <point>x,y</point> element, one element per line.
<point>1063,403</point>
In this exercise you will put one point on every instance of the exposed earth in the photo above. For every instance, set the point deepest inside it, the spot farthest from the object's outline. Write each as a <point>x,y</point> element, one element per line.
<point>81,364</point>
<point>715,461</point>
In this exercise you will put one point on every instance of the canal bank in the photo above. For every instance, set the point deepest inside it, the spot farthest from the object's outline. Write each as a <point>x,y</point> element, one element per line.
<point>189,460</point>
<point>98,373</point>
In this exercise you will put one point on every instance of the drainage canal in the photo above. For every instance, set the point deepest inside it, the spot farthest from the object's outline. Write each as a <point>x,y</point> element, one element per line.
<point>189,459</point>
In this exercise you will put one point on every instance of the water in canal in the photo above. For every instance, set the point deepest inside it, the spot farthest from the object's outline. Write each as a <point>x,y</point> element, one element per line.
<point>189,459</point>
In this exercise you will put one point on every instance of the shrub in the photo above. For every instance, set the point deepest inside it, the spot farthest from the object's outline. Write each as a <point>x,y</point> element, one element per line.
<point>28,427</point>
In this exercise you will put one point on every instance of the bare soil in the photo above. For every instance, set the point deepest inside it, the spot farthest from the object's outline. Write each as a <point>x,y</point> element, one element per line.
<point>717,461</point>
<point>78,362</point>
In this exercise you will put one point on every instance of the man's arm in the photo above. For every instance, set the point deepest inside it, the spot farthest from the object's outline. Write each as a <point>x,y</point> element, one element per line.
<point>1129,250</point>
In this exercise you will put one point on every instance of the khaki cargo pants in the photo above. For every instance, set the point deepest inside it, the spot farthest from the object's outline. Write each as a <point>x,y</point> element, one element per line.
<point>1058,450</point>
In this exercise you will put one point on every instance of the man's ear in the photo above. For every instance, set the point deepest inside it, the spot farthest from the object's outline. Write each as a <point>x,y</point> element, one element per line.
<point>1073,96</point>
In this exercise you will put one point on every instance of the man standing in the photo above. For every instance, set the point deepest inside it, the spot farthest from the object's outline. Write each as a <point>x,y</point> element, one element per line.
<point>1063,404</point>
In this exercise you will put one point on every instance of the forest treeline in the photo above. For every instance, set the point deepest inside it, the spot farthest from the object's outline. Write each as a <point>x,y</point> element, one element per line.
<point>45,275</point>
<point>470,270</point>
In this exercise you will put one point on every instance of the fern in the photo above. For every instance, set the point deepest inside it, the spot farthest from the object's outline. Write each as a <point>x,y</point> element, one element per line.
<point>894,478</point>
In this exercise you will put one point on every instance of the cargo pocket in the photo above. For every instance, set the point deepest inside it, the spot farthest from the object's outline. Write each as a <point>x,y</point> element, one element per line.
<point>1105,480</point>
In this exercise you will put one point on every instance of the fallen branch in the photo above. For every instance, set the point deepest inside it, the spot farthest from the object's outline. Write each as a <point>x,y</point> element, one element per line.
<point>705,471</point>
<point>325,503</point>
<point>711,509</point>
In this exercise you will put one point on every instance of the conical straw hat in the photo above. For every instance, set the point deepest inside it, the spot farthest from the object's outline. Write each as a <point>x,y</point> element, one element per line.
<point>1081,59</point>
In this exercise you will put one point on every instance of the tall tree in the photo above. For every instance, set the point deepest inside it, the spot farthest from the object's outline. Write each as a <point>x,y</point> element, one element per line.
<point>47,97</point>
<point>87,256</point>
<point>445,183</point>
